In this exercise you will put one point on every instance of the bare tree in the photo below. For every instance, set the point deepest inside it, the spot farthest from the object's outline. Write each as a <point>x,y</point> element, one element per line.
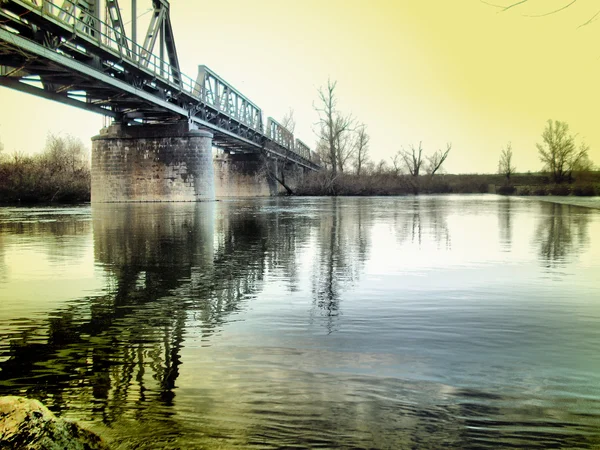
<point>65,154</point>
<point>397,163</point>
<point>505,166</point>
<point>584,164</point>
<point>413,159</point>
<point>331,123</point>
<point>327,113</point>
<point>381,167</point>
<point>289,121</point>
<point>275,169</point>
<point>558,151</point>
<point>362,148</point>
<point>435,161</point>
<point>322,150</point>
<point>345,149</point>
<point>368,167</point>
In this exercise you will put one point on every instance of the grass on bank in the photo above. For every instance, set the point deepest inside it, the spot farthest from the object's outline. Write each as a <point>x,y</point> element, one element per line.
<point>321,183</point>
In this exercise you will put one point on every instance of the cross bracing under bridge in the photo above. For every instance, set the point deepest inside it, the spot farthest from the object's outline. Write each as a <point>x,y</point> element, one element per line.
<point>78,53</point>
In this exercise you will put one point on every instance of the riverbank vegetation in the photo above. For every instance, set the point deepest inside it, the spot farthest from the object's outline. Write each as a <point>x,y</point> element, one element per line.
<point>343,149</point>
<point>390,183</point>
<point>60,174</point>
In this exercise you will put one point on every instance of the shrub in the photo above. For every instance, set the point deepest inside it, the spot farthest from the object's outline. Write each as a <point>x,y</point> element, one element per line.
<point>436,185</point>
<point>506,190</point>
<point>525,191</point>
<point>60,174</point>
<point>389,183</point>
<point>560,189</point>
<point>584,190</point>
<point>470,184</point>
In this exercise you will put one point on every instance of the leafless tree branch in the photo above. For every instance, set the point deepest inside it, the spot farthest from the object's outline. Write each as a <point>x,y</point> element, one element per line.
<point>436,160</point>
<point>552,12</point>
<point>289,121</point>
<point>492,4</point>
<point>502,7</point>
<point>592,19</point>
<point>514,4</point>
<point>505,165</point>
<point>333,127</point>
<point>562,8</point>
<point>413,159</point>
<point>362,148</point>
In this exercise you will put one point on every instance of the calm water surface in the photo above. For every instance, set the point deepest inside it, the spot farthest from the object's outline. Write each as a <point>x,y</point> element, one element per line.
<point>456,321</point>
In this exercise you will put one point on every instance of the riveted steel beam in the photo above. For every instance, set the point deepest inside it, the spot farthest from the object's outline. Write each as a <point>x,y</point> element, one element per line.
<point>117,29</point>
<point>62,98</point>
<point>280,134</point>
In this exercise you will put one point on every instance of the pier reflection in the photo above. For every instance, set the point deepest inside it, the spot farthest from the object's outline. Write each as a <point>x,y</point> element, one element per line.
<point>164,263</point>
<point>168,266</point>
<point>102,350</point>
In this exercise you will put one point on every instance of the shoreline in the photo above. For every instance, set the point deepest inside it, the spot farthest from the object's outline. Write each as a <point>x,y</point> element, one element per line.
<point>573,200</point>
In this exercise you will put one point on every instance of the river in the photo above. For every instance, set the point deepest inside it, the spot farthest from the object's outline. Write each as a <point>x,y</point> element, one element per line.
<point>461,321</point>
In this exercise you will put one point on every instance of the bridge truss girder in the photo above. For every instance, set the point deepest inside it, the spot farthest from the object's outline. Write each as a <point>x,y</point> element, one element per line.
<point>95,66</point>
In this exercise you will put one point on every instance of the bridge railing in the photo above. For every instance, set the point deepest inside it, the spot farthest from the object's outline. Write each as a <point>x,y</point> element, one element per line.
<point>280,134</point>
<point>302,149</point>
<point>82,23</point>
<point>207,88</point>
<point>213,90</point>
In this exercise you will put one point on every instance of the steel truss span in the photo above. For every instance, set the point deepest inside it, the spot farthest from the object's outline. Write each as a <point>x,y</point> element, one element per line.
<point>78,52</point>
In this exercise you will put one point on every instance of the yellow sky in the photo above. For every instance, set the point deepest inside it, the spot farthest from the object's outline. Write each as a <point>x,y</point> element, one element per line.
<point>411,70</point>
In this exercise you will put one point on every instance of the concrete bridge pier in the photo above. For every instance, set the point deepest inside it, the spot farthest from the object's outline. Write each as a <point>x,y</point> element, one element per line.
<point>239,174</point>
<point>152,163</point>
<point>289,174</point>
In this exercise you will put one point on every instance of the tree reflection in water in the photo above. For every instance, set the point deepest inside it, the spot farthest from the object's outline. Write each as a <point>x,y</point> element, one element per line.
<point>562,232</point>
<point>505,210</point>
<point>343,247</point>
<point>179,273</point>
<point>423,215</point>
<point>168,264</point>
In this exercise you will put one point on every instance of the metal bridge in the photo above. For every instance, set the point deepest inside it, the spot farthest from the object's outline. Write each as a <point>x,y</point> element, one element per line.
<point>78,53</point>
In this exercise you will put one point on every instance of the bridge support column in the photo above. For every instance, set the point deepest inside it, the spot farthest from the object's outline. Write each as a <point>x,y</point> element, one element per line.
<point>152,163</point>
<point>242,175</point>
<point>291,174</point>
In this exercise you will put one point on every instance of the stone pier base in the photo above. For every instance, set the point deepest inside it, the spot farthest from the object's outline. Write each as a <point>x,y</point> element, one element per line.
<point>242,175</point>
<point>152,163</point>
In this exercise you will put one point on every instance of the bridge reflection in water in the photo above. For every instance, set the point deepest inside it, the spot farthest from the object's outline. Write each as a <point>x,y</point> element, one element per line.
<point>169,267</point>
<point>177,351</point>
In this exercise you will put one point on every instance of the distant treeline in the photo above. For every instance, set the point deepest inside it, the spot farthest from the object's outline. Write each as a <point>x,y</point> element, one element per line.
<point>389,183</point>
<point>60,174</point>
<point>566,166</point>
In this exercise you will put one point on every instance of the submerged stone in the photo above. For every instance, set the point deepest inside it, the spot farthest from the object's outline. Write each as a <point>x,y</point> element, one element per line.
<point>27,424</point>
